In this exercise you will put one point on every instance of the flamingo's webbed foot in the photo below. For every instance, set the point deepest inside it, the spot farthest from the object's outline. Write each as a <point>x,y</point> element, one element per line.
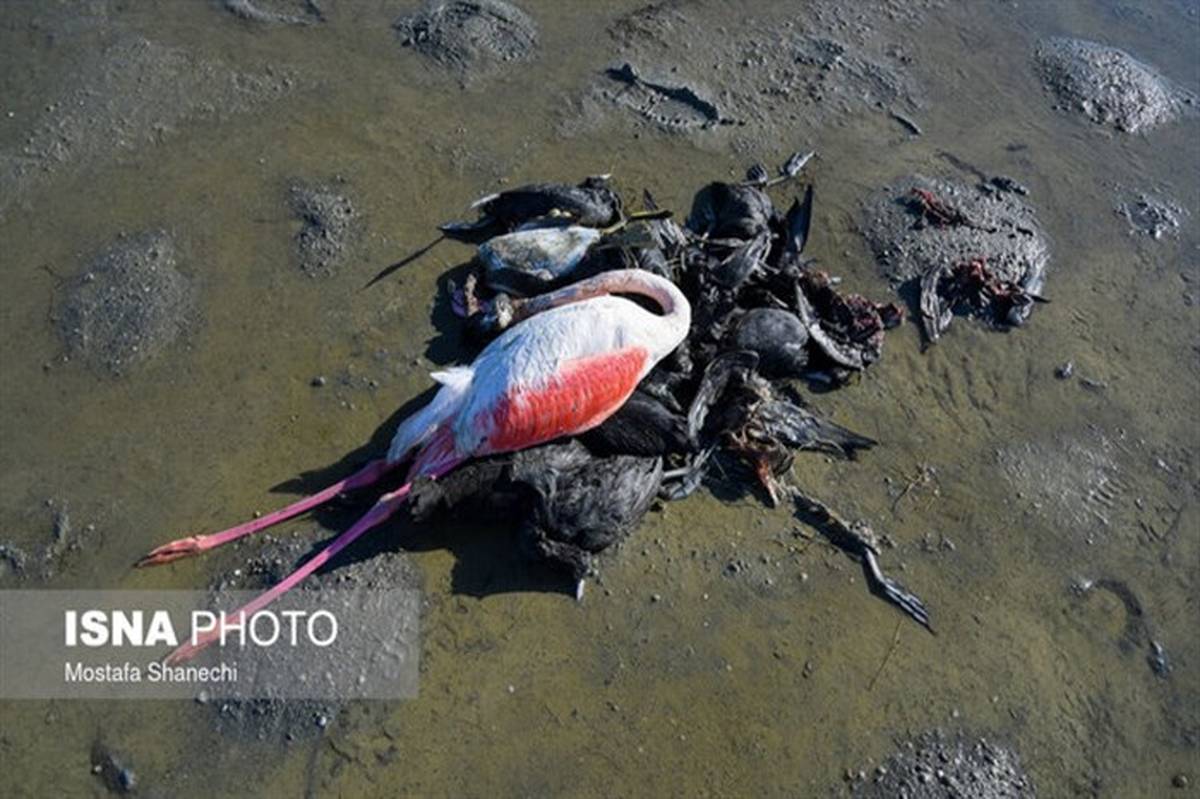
<point>182,548</point>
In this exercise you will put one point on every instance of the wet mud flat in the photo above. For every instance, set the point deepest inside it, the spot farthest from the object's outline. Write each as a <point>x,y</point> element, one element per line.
<point>130,93</point>
<point>687,69</point>
<point>724,646</point>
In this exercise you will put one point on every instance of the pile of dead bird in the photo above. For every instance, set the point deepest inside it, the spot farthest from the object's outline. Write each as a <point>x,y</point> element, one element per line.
<point>763,316</point>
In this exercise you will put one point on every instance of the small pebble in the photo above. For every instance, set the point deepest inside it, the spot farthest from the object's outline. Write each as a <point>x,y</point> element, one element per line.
<point>1180,781</point>
<point>1065,370</point>
<point>318,381</point>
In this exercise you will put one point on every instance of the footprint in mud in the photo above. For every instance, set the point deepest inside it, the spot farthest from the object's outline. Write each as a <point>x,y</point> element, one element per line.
<point>938,764</point>
<point>1135,630</point>
<point>469,37</point>
<point>1109,86</point>
<point>331,227</point>
<point>127,306</point>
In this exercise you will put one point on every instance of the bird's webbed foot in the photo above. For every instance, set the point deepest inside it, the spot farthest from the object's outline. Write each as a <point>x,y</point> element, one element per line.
<point>888,589</point>
<point>559,555</point>
<point>859,540</point>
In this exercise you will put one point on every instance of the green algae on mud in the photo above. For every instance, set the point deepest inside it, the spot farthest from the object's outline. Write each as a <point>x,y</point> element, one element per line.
<point>761,678</point>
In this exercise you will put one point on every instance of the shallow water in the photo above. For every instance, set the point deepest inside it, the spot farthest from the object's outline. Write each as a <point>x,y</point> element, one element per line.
<point>773,679</point>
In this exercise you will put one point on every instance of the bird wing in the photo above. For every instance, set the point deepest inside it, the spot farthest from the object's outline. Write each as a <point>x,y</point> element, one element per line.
<point>558,373</point>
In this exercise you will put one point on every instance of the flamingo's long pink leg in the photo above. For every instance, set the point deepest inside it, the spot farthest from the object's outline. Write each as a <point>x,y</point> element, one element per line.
<point>382,509</point>
<point>199,543</point>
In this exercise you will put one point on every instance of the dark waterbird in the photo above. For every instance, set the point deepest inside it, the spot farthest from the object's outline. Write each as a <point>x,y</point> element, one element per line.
<point>593,203</point>
<point>543,255</point>
<point>590,204</point>
<point>570,503</point>
<point>578,497</point>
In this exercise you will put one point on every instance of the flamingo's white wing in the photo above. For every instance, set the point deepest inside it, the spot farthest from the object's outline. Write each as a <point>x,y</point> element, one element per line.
<point>538,354</point>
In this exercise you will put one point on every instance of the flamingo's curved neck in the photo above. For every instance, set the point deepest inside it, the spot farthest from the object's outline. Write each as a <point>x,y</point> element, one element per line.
<point>676,315</point>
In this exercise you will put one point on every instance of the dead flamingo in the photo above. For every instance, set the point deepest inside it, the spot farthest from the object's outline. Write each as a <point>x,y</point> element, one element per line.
<point>568,367</point>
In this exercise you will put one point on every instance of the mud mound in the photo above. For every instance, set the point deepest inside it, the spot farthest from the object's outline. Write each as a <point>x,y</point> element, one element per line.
<point>1153,216</point>
<point>276,12</point>
<point>1108,85</point>
<point>992,224</point>
<point>829,71</point>
<point>469,36</point>
<point>955,249</point>
<point>127,306</point>
<point>61,531</point>
<point>937,765</point>
<point>331,225</point>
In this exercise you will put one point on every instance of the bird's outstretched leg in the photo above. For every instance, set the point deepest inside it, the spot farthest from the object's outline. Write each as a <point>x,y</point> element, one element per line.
<point>195,544</point>
<point>434,462</point>
<point>380,511</point>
